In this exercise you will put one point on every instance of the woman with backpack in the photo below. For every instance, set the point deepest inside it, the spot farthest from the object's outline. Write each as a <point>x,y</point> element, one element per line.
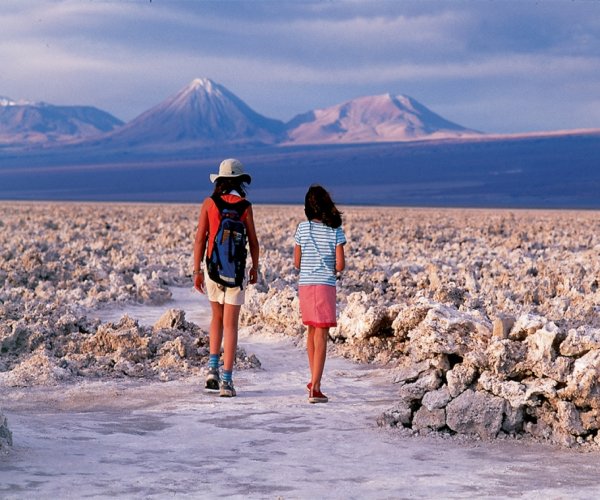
<point>226,222</point>
<point>319,254</point>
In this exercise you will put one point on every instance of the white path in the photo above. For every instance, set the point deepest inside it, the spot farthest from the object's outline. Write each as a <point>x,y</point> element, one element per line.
<point>172,440</point>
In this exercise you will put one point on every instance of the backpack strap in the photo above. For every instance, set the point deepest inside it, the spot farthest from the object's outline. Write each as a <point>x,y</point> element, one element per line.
<point>239,206</point>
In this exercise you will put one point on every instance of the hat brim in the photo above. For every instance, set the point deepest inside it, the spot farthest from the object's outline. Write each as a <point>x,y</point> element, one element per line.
<point>244,177</point>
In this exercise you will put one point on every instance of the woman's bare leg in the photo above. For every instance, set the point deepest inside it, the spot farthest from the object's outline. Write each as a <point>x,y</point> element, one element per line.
<point>231,316</point>
<point>216,328</point>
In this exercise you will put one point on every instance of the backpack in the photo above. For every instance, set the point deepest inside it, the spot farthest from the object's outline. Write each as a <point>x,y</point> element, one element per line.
<point>226,263</point>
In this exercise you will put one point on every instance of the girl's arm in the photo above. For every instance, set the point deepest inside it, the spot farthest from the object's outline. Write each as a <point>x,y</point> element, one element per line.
<point>200,246</point>
<point>340,259</point>
<point>254,246</point>
<point>297,256</point>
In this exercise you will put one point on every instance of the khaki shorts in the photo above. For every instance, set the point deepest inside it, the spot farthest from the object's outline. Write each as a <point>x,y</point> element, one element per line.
<point>222,294</point>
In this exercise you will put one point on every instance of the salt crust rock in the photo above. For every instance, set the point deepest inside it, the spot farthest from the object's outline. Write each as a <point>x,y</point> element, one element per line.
<point>436,399</point>
<point>170,349</point>
<point>497,308</point>
<point>475,412</point>
<point>501,326</point>
<point>360,320</point>
<point>426,418</point>
<point>580,340</point>
<point>5,434</point>
<point>459,378</point>
<point>463,333</point>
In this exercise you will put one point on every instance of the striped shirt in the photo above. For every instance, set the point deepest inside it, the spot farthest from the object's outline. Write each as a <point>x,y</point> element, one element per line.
<point>317,242</point>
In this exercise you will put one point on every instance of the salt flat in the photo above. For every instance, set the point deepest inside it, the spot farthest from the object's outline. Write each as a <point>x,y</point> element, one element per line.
<point>152,440</point>
<point>448,312</point>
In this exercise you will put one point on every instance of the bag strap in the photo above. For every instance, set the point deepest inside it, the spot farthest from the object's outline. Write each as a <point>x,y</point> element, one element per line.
<point>239,206</point>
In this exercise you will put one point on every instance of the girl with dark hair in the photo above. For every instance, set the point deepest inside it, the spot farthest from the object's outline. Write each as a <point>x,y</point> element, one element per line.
<point>225,301</point>
<point>319,254</point>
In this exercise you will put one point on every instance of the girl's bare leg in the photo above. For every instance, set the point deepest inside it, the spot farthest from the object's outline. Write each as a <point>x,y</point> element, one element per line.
<point>231,316</point>
<point>319,354</point>
<point>310,348</point>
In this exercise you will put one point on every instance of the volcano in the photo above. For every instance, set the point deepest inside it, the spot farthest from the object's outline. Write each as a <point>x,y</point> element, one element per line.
<point>380,118</point>
<point>202,113</point>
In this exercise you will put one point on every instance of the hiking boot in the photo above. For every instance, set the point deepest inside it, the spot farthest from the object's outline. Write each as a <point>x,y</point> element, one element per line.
<point>226,389</point>
<point>317,397</point>
<point>212,380</point>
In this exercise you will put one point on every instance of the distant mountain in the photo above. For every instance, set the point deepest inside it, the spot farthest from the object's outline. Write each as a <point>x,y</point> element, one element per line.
<point>381,118</point>
<point>203,113</point>
<point>24,123</point>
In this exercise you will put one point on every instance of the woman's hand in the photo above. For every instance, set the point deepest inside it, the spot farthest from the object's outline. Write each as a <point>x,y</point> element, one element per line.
<point>199,282</point>
<point>253,276</point>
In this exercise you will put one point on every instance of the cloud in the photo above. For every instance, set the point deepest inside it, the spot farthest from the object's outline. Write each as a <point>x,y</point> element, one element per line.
<point>288,57</point>
<point>341,41</point>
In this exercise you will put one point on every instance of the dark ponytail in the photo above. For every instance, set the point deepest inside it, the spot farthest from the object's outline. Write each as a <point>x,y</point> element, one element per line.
<point>224,185</point>
<point>319,205</point>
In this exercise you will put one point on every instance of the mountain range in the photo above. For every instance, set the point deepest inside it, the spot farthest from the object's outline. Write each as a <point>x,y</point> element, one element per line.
<point>205,113</point>
<point>373,150</point>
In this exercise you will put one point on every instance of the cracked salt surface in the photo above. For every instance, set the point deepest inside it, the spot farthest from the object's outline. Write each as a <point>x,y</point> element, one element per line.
<point>125,439</point>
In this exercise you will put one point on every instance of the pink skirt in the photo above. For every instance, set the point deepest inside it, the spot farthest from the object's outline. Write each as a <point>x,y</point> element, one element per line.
<point>317,305</point>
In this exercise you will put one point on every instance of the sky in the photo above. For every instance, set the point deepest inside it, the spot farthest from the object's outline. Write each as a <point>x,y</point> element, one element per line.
<point>503,66</point>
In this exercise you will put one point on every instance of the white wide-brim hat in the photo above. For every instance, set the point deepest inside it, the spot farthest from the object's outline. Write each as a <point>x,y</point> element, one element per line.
<point>231,168</point>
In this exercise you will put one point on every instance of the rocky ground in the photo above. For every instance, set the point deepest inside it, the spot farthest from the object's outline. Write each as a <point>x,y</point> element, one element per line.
<point>489,319</point>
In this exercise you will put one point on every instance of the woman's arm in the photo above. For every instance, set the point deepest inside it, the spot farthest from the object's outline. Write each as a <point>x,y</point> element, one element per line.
<point>254,246</point>
<point>340,259</point>
<point>200,246</point>
<point>297,256</point>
